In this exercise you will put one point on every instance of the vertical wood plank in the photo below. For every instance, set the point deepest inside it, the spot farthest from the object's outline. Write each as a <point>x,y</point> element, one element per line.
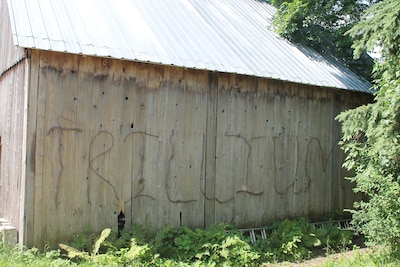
<point>31,172</point>
<point>39,199</point>
<point>336,204</point>
<point>210,151</point>
<point>24,151</point>
<point>82,212</point>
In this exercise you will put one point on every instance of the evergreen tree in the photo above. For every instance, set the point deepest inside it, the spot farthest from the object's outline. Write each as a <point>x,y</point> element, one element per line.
<point>371,133</point>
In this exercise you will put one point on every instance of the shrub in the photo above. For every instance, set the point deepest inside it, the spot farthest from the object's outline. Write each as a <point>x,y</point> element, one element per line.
<point>213,246</point>
<point>295,240</point>
<point>223,245</point>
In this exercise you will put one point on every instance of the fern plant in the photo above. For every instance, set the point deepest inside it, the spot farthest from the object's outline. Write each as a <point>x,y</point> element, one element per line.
<point>214,246</point>
<point>73,252</point>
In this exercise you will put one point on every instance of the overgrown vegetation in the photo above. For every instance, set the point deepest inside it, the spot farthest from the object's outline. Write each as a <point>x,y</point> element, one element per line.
<point>371,133</point>
<point>298,240</point>
<point>224,245</point>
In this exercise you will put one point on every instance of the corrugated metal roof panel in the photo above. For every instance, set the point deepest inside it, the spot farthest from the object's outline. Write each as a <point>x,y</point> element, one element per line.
<point>219,35</point>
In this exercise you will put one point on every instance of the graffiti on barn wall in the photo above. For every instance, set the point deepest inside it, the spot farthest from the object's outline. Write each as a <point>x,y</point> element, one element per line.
<point>295,179</point>
<point>64,126</point>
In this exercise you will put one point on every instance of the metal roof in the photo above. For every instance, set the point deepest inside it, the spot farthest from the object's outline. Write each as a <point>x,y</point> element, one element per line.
<point>219,35</point>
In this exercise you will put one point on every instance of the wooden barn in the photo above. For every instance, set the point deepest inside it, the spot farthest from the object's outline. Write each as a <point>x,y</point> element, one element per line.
<point>178,112</point>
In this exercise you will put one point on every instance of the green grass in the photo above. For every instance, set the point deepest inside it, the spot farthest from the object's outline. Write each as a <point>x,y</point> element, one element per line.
<point>18,258</point>
<point>372,259</point>
<point>34,258</point>
<point>31,257</point>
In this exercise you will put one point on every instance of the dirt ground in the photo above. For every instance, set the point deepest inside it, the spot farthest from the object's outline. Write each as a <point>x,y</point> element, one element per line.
<point>317,261</point>
<point>321,258</point>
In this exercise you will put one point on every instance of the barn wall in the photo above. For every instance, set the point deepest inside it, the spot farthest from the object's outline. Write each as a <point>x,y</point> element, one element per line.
<point>276,151</point>
<point>168,145</point>
<point>12,119</point>
<point>110,135</point>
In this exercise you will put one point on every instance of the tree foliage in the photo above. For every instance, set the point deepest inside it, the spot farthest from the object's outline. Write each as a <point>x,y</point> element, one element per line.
<point>371,133</point>
<point>380,27</point>
<point>322,24</point>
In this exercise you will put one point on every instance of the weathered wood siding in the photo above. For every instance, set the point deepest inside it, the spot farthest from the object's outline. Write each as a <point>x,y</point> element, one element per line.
<point>276,151</point>
<point>108,134</point>
<point>169,145</point>
<point>12,119</point>
<point>10,55</point>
